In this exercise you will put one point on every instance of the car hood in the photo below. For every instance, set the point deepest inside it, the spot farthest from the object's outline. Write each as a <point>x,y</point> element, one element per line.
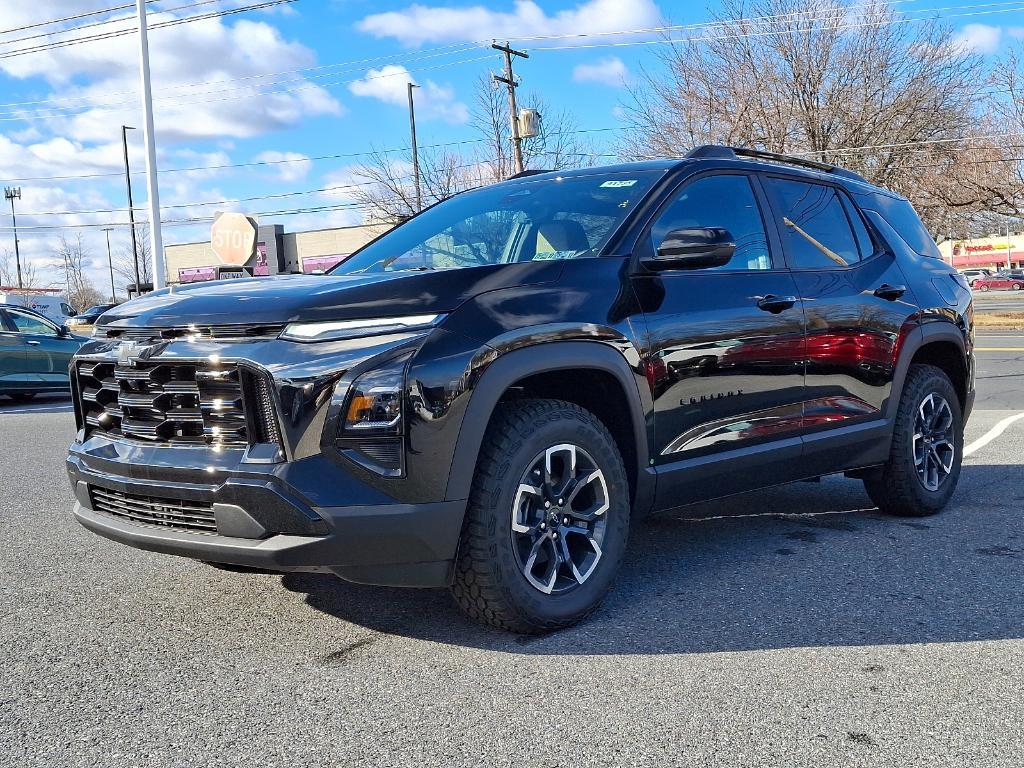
<point>290,298</point>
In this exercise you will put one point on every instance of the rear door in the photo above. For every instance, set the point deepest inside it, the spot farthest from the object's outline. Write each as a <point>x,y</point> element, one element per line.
<point>724,352</point>
<point>857,308</point>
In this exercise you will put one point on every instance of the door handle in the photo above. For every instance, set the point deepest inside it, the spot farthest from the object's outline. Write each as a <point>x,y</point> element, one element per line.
<point>890,292</point>
<point>775,304</point>
<point>32,343</point>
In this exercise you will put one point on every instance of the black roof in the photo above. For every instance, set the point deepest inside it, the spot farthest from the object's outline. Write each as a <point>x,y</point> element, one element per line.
<point>719,154</point>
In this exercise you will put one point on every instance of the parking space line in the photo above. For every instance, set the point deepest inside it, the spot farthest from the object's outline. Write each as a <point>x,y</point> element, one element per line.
<point>999,349</point>
<point>992,434</point>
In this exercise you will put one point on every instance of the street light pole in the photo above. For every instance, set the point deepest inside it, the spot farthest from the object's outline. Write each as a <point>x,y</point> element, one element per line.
<point>110,263</point>
<point>415,150</point>
<point>131,206</point>
<point>155,238</point>
<point>11,193</point>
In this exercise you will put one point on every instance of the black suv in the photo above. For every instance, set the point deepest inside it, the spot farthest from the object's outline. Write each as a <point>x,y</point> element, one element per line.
<point>487,395</point>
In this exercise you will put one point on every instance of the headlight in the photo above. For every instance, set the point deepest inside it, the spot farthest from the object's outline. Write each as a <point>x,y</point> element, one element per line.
<point>374,404</point>
<point>333,330</point>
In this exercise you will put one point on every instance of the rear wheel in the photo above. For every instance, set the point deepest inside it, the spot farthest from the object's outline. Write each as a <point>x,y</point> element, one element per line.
<point>1015,286</point>
<point>927,448</point>
<point>547,521</point>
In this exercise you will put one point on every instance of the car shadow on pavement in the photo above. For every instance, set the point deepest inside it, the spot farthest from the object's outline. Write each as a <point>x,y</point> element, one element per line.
<point>799,565</point>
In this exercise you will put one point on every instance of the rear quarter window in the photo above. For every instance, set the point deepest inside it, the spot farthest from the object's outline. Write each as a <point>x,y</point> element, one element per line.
<point>902,217</point>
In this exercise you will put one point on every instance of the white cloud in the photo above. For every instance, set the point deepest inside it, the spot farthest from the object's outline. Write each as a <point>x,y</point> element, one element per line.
<point>295,169</point>
<point>979,38</point>
<point>610,71</point>
<point>211,80</point>
<point>433,102</point>
<point>419,24</point>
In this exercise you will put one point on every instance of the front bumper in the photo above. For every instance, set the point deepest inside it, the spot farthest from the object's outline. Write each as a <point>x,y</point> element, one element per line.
<point>264,522</point>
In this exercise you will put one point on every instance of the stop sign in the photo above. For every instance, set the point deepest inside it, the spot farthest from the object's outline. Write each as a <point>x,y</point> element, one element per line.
<point>233,237</point>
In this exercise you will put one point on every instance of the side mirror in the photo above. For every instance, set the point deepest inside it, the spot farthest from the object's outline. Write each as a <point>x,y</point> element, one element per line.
<point>63,331</point>
<point>697,248</point>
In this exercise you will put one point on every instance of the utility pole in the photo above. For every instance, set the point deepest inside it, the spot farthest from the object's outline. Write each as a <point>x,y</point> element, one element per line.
<point>110,263</point>
<point>11,193</point>
<point>510,81</point>
<point>155,238</point>
<point>415,151</point>
<point>131,206</point>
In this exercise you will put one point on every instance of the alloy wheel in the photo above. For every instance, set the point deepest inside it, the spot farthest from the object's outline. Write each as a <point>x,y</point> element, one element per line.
<point>934,445</point>
<point>559,520</point>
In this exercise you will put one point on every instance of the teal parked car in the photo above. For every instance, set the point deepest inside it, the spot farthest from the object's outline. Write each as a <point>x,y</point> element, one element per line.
<point>34,353</point>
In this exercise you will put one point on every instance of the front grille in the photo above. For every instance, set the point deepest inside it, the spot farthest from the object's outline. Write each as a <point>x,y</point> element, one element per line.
<point>194,403</point>
<point>193,332</point>
<point>180,515</point>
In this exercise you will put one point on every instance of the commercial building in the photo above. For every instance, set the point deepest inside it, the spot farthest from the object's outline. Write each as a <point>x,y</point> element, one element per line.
<point>276,252</point>
<point>993,252</point>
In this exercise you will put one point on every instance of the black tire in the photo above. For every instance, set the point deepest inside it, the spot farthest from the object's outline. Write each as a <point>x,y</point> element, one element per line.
<point>897,487</point>
<point>491,583</point>
<point>22,397</point>
<point>984,288</point>
<point>1015,287</point>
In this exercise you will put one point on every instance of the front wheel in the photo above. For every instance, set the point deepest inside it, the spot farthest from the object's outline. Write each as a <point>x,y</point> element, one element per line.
<point>547,520</point>
<point>984,288</point>
<point>927,448</point>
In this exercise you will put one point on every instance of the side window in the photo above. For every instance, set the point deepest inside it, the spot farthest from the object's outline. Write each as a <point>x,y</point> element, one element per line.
<point>29,324</point>
<point>860,231</point>
<point>725,201</point>
<point>815,229</point>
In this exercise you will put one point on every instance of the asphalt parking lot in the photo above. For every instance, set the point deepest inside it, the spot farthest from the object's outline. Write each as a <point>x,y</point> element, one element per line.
<point>792,627</point>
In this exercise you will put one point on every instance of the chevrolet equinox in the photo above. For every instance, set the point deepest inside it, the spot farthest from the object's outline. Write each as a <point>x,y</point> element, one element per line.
<point>487,395</point>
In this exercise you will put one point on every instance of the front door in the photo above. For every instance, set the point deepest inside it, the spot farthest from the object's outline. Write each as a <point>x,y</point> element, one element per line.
<point>13,361</point>
<point>47,353</point>
<point>724,350</point>
<point>857,308</point>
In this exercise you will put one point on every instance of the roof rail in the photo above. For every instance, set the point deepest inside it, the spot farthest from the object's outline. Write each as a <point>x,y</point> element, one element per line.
<point>737,153</point>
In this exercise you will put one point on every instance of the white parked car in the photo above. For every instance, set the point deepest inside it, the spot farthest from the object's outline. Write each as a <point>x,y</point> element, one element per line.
<point>973,274</point>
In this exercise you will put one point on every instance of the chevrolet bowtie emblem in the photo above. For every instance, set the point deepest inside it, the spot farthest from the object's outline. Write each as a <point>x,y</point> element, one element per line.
<point>130,352</point>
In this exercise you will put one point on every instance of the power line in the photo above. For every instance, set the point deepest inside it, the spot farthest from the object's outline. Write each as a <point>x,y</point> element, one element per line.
<point>246,92</point>
<point>102,23</point>
<point>841,26</point>
<point>353,65</point>
<point>286,161</point>
<point>128,31</point>
<point>87,14</point>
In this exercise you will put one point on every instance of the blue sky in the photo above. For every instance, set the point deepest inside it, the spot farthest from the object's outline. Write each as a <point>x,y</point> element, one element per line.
<point>302,80</point>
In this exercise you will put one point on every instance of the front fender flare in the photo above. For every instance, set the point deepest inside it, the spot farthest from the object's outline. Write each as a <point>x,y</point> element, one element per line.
<point>541,358</point>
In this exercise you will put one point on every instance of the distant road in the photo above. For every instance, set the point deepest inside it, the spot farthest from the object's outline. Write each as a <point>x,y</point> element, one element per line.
<point>999,301</point>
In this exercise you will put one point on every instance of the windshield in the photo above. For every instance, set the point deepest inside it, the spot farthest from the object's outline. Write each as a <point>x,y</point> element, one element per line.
<point>526,220</point>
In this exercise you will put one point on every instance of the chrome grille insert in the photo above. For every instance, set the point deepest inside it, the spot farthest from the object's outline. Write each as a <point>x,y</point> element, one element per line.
<point>192,333</point>
<point>164,402</point>
<point>195,516</point>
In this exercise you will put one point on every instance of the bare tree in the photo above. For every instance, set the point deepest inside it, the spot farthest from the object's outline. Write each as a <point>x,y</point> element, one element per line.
<point>71,256</point>
<point>124,258</point>
<point>30,278</point>
<point>840,81</point>
<point>385,183</point>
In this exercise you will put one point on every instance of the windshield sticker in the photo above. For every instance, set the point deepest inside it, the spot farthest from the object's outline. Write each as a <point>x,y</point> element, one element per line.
<point>623,183</point>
